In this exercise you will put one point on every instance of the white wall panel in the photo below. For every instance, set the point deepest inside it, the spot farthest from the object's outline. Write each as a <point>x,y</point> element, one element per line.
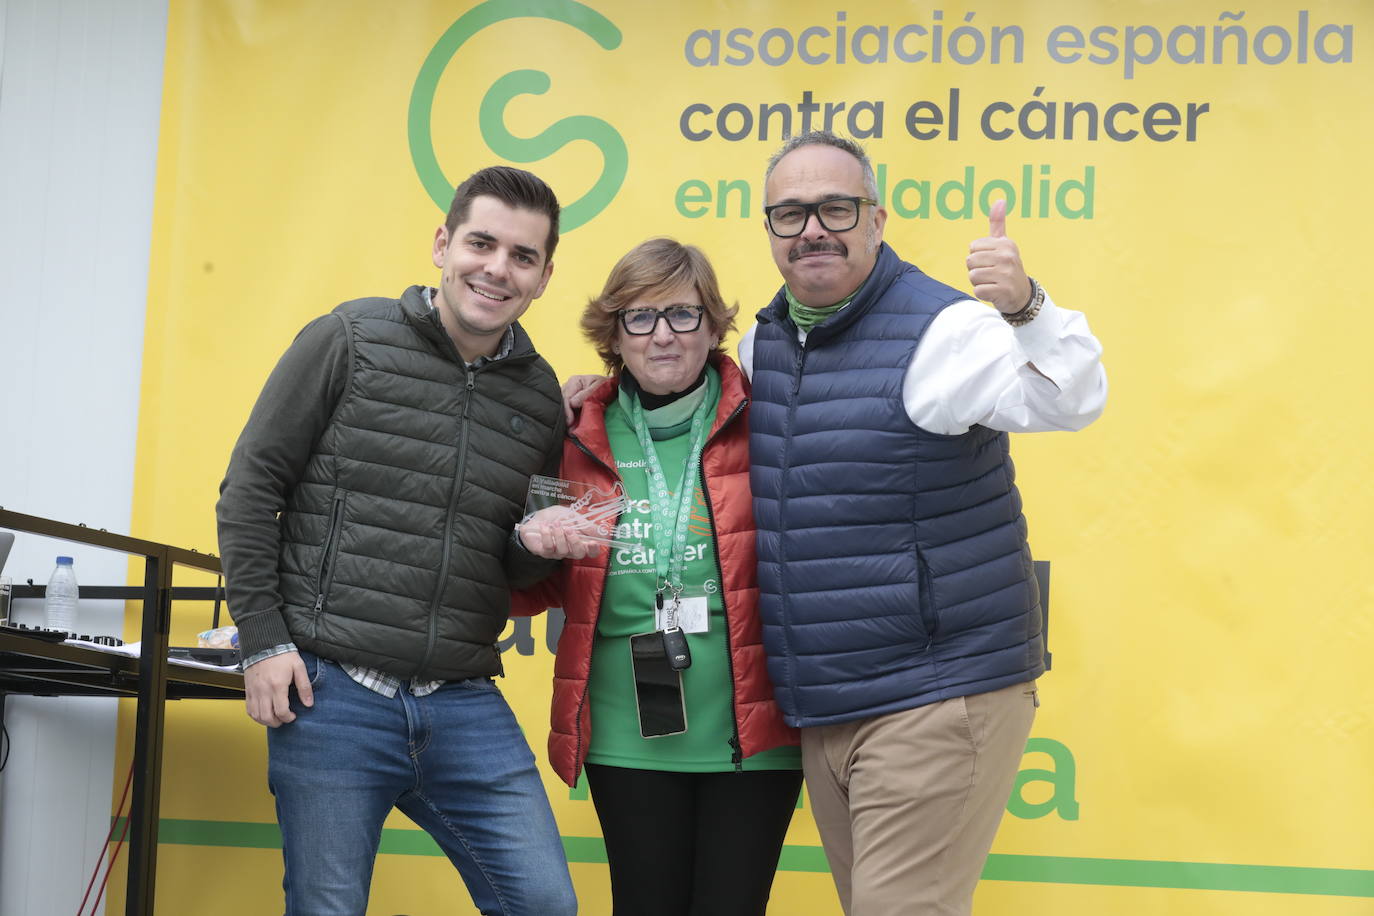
<point>80,96</point>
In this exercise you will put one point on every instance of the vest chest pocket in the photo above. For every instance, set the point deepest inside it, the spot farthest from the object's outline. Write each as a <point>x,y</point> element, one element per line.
<point>331,548</point>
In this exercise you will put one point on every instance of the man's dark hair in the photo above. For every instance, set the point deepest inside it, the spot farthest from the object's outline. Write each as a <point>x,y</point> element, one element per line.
<point>515,188</point>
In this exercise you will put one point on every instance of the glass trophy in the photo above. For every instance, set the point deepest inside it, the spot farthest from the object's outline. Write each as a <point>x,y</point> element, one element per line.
<point>592,512</point>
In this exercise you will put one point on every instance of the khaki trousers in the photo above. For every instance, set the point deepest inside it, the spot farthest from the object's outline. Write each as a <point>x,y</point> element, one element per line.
<point>908,803</point>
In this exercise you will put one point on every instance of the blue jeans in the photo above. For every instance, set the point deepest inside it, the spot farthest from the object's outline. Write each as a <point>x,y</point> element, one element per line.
<point>455,762</point>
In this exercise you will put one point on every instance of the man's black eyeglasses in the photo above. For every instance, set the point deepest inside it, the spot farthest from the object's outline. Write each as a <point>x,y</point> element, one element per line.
<point>681,319</point>
<point>837,214</point>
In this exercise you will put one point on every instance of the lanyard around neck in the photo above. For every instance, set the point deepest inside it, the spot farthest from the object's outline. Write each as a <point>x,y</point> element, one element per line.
<point>670,527</point>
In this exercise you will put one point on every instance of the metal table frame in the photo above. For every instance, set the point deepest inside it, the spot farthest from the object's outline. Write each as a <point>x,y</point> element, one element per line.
<point>32,666</point>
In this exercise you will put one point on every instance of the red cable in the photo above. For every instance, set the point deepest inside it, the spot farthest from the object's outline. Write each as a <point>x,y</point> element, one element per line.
<point>114,855</point>
<point>106,845</point>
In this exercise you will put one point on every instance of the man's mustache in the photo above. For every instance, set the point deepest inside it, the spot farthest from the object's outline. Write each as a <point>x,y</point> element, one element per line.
<point>825,245</point>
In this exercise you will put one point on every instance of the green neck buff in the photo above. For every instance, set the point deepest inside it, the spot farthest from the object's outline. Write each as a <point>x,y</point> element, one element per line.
<point>805,317</point>
<point>675,417</point>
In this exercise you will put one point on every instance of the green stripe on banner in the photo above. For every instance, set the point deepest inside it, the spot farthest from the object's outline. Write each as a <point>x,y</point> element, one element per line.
<point>1264,879</point>
<point>803,858</point>
<point>1272,879</point>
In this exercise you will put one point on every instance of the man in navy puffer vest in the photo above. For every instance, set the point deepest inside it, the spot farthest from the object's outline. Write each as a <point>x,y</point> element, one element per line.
<point>901,613</point>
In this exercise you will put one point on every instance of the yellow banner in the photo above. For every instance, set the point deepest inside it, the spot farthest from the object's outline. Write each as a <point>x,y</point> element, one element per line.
<point>1195,179</point>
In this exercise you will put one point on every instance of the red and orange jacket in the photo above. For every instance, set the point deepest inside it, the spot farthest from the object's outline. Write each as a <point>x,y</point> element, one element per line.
<point>577,585</point>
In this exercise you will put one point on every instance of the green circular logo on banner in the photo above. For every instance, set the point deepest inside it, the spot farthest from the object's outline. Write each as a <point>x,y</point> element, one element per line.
<point>519,82</point>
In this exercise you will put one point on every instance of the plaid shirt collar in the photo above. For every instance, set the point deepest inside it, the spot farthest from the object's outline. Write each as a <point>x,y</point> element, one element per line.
<point>507,339</point>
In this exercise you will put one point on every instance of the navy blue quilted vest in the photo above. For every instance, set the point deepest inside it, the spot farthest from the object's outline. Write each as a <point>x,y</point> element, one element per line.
<point>893,564</point>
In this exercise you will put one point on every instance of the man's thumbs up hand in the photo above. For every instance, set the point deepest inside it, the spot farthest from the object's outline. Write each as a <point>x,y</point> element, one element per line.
<point>994,265</point>
<point>997,219</point>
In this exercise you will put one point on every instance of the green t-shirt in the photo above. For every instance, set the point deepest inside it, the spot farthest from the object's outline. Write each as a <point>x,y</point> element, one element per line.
<point>627,608</point>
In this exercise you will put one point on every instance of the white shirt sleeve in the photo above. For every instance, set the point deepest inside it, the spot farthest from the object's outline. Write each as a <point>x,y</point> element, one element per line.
<point>746,352</point>
<point>972,368</point>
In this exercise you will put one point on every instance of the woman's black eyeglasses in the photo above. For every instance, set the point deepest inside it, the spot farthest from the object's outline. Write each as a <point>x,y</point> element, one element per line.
<point>681,319</point>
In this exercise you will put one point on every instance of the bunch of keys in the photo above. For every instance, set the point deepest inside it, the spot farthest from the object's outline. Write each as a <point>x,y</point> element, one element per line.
<point>674,640</point>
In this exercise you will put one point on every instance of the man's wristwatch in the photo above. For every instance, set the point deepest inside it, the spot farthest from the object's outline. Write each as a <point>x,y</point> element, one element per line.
<point>1031,309</point>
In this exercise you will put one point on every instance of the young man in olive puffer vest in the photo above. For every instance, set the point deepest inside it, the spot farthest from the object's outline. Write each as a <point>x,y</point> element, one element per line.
<point>365,523</point>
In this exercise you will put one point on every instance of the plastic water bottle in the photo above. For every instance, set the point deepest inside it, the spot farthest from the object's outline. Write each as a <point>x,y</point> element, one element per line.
<point>59,607</point>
